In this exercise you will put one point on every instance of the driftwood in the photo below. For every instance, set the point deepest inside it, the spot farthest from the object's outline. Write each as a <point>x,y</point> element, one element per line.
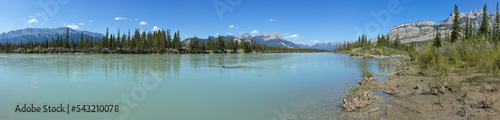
<point>358,101</point>
<point>367,80</point>
<point>232,66</point>
<point>395,94</point>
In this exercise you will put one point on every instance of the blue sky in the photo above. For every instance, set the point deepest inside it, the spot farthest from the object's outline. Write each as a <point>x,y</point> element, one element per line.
<point>299,21</point>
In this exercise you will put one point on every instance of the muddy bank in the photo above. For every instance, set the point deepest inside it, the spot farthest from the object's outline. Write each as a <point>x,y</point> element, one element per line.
<point>413,95</point>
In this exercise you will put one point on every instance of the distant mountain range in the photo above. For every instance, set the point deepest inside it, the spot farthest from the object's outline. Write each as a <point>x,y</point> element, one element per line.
<point>325,46</point>
<point>425,30</point>
<point>40,34</point>
<point>270,39</point>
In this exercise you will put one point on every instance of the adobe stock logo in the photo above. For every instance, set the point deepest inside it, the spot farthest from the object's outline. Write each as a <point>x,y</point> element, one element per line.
<point>222,7</point>
<point>382,17</point>
<point>50,9</point>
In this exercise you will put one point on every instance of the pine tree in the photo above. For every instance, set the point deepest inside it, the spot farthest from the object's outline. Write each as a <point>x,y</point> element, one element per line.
<point>193,45</point>
<point>455,34</point>
<point>397,42</point>
<point>467,28</point>
<point>437,39</point>
<point>105,39</point>
<point>129,41</point>
<point>235,46</point>
<point>176,42</point>
<point>66,42</point>
<point>81,40</point>
<point>497,26</point>
<point>203,46</point>
<point>169,39</point>
<point>118,42</point>
<point>46,43</point>
<point>221,45</point>
<point>484,29</point>
<point>124,41</point>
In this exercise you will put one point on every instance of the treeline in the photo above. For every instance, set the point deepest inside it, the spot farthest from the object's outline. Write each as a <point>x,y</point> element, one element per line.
<point>383,46</point>
<point>159,41</point>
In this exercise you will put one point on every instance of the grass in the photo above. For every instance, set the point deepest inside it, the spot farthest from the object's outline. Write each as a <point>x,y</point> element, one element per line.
<point>414,70</point>
<point>476,80</point>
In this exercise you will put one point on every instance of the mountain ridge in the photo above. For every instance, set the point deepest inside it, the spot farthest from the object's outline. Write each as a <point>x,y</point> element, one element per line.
<point>424,30</point>
<point>41,34</point>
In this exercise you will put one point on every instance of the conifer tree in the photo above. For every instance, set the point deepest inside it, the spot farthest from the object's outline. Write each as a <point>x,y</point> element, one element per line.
<point>484,29</point>
<point>118,42</point>
<point>467,28</point>
<point>221,45</point>
<point>455,34</point>
<point>497,26</point>
<point>169,39</point>
<point>66,42</point>
<point>437,39</point>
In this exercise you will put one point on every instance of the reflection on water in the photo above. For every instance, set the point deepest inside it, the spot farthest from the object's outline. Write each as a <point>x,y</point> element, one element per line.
<point>193,86</point>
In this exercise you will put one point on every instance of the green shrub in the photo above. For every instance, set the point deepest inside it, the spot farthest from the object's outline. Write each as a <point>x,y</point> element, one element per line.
<point>367,73</point>
<point>433,61</point>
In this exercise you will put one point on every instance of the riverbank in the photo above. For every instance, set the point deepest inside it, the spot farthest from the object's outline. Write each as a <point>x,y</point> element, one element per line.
<point>369,56</point>
<point>414,95</point>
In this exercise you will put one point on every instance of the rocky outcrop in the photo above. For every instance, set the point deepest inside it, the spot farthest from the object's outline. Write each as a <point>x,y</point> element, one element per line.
<point>425,30</point>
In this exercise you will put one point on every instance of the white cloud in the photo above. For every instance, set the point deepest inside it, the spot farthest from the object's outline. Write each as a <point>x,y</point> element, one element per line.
<point>272,20</point>
<point>291,36</point>
<point>73,26</point>
<point>237,27</point>
<point>217,34</point>
<point>120,18</point>
<point>231,26</point>
<point>90,20</point>
<point>135,18</point>
<point>32,20</point>
<point>155,28</point>
<point>143,23</point>
<point>10,28</point>
<point>80,24</point>
<point>296,38</point>
<point>254,32</point>
<point>315,41</point>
